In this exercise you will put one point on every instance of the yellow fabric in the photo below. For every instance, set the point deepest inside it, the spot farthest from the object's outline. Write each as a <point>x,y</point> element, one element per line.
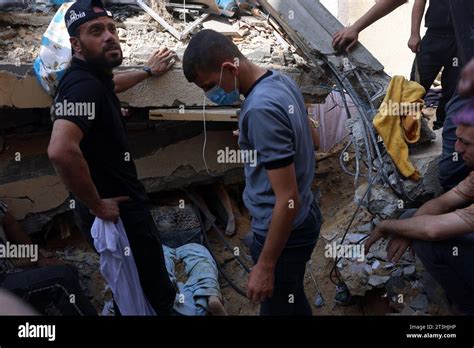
<point>398,122</point>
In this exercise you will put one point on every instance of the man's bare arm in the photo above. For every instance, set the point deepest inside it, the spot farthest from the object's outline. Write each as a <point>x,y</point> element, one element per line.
<point>425,227</point>
<point>160,62</point>
<point>66,155</point>
<point>348,37</point>
<point>126,80</point>
<point>404,231</point>
<point>416,19</point>
<point>261,279</point>
<point>286,208</point>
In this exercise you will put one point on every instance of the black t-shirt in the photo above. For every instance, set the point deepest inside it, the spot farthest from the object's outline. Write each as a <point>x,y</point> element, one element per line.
<point>86,97</point>
<point>438,16</point>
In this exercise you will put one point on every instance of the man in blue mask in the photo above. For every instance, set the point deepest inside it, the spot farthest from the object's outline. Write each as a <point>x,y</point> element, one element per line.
<point>273,125</point>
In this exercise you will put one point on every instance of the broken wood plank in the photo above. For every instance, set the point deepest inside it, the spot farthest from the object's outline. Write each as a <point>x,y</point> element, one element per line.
<point>160,20</point>
<point>222,27</point>
<point>212,115</point>
<point>193,25</point>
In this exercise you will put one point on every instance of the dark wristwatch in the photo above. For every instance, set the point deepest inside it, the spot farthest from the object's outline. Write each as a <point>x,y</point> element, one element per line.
<point>148,71</point>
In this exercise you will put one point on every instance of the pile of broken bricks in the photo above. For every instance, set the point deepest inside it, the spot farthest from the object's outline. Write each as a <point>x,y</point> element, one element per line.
<point>409,288</point>
<point>140,34</point>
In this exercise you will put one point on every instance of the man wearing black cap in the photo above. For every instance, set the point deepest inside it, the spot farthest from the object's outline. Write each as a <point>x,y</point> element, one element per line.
<point>89,146</point>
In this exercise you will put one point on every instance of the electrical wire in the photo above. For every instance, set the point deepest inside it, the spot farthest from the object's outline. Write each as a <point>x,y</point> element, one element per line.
<point>334,270</point>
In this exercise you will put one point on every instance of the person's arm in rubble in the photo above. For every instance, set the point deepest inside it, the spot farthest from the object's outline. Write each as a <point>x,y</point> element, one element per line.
<point>262,277</point>
<point>66,155</point>
<point>17,235</point>
<point>313,125</point>
<point>416,18</point>
<point>435,220</point>
<point>160,62</point>
<point>347,38</point>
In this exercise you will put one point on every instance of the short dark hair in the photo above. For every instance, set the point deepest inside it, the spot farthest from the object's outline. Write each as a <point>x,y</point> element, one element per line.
<point>206,52</point>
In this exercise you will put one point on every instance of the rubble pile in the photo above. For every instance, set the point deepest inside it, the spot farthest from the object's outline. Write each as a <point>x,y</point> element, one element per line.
<point>408,288</point>
<point>140,34</point>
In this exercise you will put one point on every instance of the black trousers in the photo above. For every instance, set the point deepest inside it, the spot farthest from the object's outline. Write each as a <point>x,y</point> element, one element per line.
<point>147,252</point>
<point>289,297</point>
<point>438,50</point>
<point>454,272</point>
<point>56,286</point>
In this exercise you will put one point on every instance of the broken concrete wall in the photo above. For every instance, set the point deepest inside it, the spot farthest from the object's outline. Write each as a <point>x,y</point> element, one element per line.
<point>165,160</point>
<point>140,36</point>
<point>172,89</point>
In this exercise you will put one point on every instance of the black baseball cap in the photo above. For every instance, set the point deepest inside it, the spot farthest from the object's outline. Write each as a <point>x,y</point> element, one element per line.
<point>81,12</point>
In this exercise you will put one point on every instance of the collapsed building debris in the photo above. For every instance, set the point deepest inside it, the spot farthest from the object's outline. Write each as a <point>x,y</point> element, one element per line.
<point>21,91</point>
<point>167,147</point>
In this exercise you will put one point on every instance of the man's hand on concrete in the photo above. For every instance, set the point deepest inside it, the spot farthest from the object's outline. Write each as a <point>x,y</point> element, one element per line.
<point>397,247</point>
<point>108,209</point>
<point>466,85</point>
<point>345,39</point>
<point>415,43</point>
<point>162,61</point>
<point>261,283</point>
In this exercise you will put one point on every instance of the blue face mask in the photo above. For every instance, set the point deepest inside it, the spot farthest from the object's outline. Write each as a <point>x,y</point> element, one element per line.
<point>219,96</point>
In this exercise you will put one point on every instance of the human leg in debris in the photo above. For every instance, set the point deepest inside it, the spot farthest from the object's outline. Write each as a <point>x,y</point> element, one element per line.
<point>50,290</point>
<point>200,294</point>
<point>225,201</point>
